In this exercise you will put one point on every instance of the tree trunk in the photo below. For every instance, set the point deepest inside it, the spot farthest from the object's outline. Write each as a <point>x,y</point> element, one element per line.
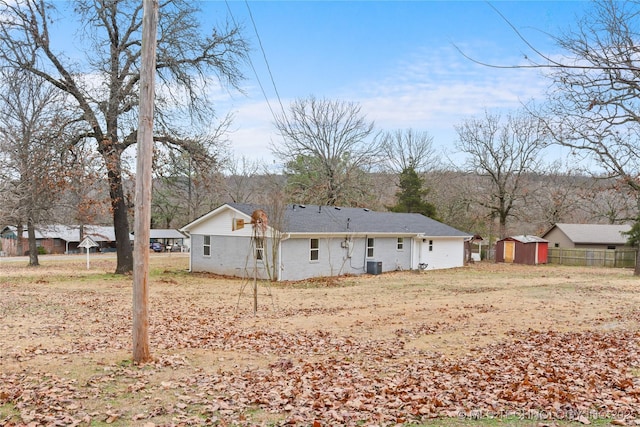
<point>19,240</point>
<point>33,247</point>
<point>502,227</point>
<point>120,218</point>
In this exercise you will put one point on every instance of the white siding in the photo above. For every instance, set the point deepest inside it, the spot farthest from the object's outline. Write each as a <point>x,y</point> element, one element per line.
<point>336,260</point>
<point>445,253</point>
<point>333,259</point>
<point>232,256</point>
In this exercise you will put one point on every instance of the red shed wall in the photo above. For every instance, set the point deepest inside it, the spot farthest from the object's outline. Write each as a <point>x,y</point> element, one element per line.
<point>543,251</point>
<point>499,251</point>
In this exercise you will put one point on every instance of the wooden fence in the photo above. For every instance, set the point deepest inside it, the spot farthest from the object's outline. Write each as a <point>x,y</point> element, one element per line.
<point>593,257</point>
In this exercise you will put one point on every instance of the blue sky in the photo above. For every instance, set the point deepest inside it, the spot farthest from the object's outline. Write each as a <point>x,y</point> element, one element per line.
<point>397,59</point>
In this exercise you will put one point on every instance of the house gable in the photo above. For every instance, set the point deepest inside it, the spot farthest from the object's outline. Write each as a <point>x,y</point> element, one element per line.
<point>221,222</point>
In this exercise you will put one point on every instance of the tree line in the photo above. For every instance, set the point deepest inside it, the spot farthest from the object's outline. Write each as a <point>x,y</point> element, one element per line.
<point>65,145</point>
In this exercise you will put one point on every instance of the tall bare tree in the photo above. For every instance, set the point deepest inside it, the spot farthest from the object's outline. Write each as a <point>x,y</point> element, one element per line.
<point>328,148</point>
<point>408,148</point>
<point>242,184</point>
<point>501,152</point>
<point>33,123</point>
<point>104,85</point>
<point>595,100</point>
<point>189,182</point>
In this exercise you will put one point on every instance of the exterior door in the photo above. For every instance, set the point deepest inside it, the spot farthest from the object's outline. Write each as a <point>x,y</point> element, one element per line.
<point>509,250</point>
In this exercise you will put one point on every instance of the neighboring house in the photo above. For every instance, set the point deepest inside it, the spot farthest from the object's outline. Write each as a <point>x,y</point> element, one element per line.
<point>314,241</point>
<point>587,236</point>
<point>167,236</point>
<point>529,250</point>
<point>59,239</point>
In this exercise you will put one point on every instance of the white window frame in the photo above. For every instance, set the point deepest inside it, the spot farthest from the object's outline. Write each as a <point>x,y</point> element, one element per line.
<point>370,246</point>
<point>314,250</point>
<point>259,248</point>
<point>400,245</point>
<point>206,246</point>
<point>430,245</point>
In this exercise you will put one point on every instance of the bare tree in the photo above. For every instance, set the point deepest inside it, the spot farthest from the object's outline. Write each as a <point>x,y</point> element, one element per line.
<point>185,186</point>
<point>609,201</point>
<point>104,86</point>
<point>595,101</point>
<point>409,148</point>
<point>34,163</point>
<point>328,148</point>
<point>555,194</point>
<point>85,199</point>
<point>501,153</point>
<point>241,180</point>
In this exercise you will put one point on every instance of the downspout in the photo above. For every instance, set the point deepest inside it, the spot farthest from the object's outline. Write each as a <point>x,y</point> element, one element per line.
<point>413,242</point>
<point>190,249</point>
<point>364,263</point>
<point>282,239</point>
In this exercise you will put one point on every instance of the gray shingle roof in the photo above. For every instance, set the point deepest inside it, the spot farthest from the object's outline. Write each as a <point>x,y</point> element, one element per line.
<point>595,233</point>
<point>330,219</point>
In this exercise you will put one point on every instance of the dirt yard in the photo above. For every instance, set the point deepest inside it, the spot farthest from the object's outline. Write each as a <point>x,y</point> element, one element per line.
<point>519,344</point>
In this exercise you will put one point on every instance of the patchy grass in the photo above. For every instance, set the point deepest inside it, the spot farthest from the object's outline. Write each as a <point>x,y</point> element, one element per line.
<point>397,348</point>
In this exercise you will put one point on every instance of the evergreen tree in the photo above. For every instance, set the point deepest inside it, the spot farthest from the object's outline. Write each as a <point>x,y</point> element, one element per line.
<point>411,196</point>
<point>633,235</point>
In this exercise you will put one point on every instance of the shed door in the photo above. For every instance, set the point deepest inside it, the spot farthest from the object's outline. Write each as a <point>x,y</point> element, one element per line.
<point>542,253</point>
<point>509,250</point>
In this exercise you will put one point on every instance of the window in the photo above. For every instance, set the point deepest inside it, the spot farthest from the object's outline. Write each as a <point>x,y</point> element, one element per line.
<point>556,245</point>
<point>430,245</point>
<point>370,247</point>
<point>259,248</point>
<point>206,247</point>
<point>314,253</point>
<point>611,247</point>
<point>400,243</point>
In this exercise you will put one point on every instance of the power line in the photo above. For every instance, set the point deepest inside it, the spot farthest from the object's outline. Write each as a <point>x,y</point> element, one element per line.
<point>264,56</point>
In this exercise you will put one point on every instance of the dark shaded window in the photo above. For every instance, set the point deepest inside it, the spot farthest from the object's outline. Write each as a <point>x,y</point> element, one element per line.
<point>314,254</point>
<point>370,242</point>
<point>206,247</point>
<point>259,248</point>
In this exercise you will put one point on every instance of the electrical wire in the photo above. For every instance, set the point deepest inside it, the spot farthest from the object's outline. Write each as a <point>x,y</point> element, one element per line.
<point>264,56</point>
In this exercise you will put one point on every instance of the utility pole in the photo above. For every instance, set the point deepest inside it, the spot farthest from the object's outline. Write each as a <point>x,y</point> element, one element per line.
<point>141,353</point>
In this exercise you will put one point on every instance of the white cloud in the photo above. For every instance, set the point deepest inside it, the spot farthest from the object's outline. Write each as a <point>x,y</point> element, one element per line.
<point>433,91</point>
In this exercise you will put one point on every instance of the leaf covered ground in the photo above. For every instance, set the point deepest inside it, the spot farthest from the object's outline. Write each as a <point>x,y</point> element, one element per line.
<point>541,344</point>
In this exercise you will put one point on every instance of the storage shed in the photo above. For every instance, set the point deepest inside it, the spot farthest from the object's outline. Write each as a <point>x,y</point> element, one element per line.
<point>529,250</point>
